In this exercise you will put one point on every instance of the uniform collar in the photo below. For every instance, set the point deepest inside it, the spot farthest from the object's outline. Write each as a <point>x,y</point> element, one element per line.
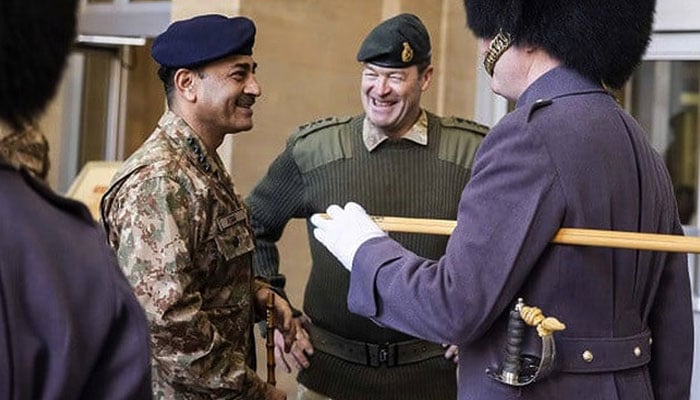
<point>25,149</point>
<point>177,129</point>
<point>555,83</point>
<point>418,133</point>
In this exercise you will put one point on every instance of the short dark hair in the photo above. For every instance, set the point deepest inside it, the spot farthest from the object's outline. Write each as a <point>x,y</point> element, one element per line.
<point>35,39</point>
<point>423,65</point>
<point>167,76</point>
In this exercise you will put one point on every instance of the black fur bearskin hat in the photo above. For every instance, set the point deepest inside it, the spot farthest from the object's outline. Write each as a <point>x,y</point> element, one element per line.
<point>35,39</point>
<point>601,39</point>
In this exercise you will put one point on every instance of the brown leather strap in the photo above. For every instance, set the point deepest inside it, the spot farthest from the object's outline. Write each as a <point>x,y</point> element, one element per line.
<point>371,354</point>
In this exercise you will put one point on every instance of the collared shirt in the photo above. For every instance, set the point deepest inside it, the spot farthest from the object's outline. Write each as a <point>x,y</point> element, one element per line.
<point>373,137</point>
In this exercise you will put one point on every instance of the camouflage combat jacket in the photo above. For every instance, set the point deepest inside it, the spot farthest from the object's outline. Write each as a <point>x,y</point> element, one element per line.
<point>27,148</point>
<point>183,239</point>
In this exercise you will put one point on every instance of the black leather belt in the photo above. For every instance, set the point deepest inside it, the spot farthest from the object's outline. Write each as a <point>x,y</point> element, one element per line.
<point>591,355</point>
<point>371,354</point>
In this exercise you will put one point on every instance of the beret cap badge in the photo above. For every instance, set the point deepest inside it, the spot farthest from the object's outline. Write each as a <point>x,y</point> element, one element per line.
<point>406,53</point>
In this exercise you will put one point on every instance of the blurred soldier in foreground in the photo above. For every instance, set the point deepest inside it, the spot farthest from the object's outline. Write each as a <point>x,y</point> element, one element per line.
<point>567,156</point>
<point>179,228</point>
<point>70,326</point>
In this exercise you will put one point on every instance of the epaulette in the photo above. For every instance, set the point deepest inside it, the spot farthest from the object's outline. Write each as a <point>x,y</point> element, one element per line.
<point>314,126</point>
<point>333,141</point>
<point>459,140</point>
<point>538,104</point>
<point>464,124</point>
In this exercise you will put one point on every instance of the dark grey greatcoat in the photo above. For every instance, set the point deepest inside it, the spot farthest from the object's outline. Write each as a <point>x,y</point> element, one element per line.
<point>572,159</point>
<point>70,326</point>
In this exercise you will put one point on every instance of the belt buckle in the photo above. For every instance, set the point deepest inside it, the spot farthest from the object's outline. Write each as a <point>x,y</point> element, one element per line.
<point>382,354</point>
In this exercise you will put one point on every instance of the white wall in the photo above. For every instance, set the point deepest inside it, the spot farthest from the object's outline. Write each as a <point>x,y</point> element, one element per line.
<point>677,15</point>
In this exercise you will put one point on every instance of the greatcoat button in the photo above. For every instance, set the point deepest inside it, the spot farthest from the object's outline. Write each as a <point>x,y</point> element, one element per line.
<point>637,352</point>
<point>587,356</point>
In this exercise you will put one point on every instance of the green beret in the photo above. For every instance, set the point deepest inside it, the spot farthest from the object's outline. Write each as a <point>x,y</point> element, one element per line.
<point>398,42</point>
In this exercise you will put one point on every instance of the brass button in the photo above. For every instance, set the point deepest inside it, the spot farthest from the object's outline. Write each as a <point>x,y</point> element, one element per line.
<point>587,356</point>
<point>637,352</point>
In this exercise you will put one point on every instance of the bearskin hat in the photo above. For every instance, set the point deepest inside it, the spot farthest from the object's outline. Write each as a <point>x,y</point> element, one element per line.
<point>35,38</point>
<point>601,39</point>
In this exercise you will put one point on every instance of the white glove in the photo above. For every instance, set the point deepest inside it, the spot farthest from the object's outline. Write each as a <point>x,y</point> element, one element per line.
<point>345,231</point>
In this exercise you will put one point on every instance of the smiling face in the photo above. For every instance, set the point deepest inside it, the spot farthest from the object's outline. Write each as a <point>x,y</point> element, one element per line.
<point>224,92</point>
<point>391,96</point>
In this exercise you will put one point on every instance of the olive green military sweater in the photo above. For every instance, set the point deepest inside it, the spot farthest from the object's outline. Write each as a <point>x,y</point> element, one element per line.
<point>326,162</point>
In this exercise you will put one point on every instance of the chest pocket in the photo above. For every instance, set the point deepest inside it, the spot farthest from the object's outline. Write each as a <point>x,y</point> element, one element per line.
<point>234,236</point>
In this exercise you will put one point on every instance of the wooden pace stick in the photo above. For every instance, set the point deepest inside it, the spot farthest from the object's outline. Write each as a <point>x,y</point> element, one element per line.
<point>270,337</point>
<point>569,236</point>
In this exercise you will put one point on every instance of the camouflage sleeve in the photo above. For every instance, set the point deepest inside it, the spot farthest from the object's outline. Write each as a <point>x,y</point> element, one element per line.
<point>259,307</point>
<point>156,226</point>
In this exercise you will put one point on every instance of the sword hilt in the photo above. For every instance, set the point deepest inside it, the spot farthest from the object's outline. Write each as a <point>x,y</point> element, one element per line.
<point>514,340</point>
<point>520,369</point>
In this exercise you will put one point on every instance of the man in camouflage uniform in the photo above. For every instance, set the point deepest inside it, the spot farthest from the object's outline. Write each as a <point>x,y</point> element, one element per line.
<point>180,230</point>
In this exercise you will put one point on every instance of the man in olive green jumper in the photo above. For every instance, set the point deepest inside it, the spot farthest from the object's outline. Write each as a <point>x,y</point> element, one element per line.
<point>396,159</point>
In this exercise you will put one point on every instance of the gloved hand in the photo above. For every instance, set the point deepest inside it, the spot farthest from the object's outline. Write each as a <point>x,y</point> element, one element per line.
<point>345,231</point>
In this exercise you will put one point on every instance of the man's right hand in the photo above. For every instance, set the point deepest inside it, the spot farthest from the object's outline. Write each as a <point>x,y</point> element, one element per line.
<point>301,348</point>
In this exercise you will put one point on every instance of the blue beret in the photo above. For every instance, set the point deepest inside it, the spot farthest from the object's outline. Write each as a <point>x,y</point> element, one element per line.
<point>203,39</point>
<point>398,42</point>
